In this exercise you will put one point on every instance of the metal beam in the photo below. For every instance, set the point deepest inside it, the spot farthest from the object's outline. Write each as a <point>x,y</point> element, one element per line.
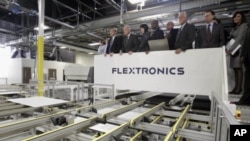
<point>70,8</point>
<point>91,8</point>
<point>62,132</point>
<point>59,22</point>
<point>114,4</point>
<point>94,35</point>
<point>7,31</point>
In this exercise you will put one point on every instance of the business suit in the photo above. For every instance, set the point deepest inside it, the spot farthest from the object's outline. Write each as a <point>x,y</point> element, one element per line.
<point>171,37</point>
<point>245,53</point>
<point>130,43</point>
<point>238,34</point>
<point>144,46</point>
<point>157,34</point>
<point>185,37</point>
<point>217,38</point>
<point>116,46</point>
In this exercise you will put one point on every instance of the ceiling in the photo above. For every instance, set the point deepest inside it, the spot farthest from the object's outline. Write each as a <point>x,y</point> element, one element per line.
<point>75,23</point>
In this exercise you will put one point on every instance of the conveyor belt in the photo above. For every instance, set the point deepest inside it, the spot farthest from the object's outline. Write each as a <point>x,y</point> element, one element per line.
<point>165,97</point>
<point>129,94</point>
<point>201,102</point>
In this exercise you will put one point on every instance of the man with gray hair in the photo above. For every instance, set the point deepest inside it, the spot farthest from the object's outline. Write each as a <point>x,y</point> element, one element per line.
<point>130,41</point>
<point>185,35</point>
<point>114,43</point>
<point>171,34</point>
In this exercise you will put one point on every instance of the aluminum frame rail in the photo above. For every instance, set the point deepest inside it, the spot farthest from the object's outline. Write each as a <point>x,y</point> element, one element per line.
<point>61,131</point>
<point>10,127</point>
<point>137,135</point>
<point>136,120</point>
<point>177,124</point>
<point>10,108</point>
<point>107,136</point>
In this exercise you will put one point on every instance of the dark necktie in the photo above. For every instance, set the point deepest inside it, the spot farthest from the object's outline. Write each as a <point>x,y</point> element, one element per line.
<point>178,34</point>
<point>208,33</point>
<point>110,44</point>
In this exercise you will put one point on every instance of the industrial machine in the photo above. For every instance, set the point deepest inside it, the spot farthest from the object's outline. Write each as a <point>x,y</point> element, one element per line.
<point>131,116</point>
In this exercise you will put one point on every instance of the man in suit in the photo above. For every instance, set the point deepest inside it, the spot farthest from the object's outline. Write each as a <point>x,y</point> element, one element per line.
<point>185,35</point>
<point>115,42</point>
<point>245,58</point>
<point>211,35</point>
<point>171,34</point>
<point>156,32</point>
<point>130,41</point>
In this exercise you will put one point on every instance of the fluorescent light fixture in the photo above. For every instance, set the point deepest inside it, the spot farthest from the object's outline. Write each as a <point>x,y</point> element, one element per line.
<point>136,1</point>
<point>91,53</point>
<point>44,27</point>
<point>94,44</point>
<point>63,47</point>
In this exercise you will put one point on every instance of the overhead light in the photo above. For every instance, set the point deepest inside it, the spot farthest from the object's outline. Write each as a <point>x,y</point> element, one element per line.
<point>94,44</point>
<point>63,47</point>
<point>45,27</point>
<point>136,1</point>
<point>91,53</point>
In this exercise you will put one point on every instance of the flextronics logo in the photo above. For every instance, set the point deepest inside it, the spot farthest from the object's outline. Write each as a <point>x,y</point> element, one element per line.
<point>149,70</point>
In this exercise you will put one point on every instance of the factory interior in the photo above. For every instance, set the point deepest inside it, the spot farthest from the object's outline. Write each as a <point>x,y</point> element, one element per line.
<point>55,85</point>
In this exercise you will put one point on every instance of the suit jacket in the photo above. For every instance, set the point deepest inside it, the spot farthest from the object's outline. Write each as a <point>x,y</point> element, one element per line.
<point>144,46</point>
<point>245,50</point>
<point>185,37</point>
<point>238,34</point>
<point>116,46</point>
<point>158,34</point>
<point>217,37</point>
<point>172,38</point>
<point>130,44</point>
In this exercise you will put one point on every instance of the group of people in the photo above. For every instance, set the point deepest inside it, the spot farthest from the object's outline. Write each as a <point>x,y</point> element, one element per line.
<point>209,36</point>
<point>180,40</point>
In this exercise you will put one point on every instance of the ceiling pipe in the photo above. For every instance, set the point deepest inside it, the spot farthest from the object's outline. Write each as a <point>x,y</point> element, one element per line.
<point>114,4</point>
<point>59,22</point>
<point>70,8</point>
<point>121,11</point>
<point>94,35</point>
<point>7,31</point>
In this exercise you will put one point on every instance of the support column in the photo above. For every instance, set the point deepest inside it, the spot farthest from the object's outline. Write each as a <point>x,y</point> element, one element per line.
<point>40,47</point>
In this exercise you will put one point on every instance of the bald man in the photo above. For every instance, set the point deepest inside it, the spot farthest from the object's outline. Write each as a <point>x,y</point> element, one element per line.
<point>171,34</point>
<point>186,34</point>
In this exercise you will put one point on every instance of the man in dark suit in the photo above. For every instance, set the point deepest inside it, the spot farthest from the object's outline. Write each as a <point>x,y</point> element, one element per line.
<point>171,34</point>
<point>185,35</point>
<point>156,32</point>
<point>130,41</point>
<point>245,58</point>
<point>211,35</point>
<point>115,42</point>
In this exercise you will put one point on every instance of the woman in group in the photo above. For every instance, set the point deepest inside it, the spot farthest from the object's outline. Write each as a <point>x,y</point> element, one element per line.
<point>238,34</point>
<point>145,35</point>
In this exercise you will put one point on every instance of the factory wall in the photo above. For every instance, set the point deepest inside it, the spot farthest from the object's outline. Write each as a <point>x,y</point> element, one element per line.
<point>84,59</point>
<point>12,69</point>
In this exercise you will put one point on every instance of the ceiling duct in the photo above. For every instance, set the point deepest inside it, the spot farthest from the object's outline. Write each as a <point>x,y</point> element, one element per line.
<point>129,16</point>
